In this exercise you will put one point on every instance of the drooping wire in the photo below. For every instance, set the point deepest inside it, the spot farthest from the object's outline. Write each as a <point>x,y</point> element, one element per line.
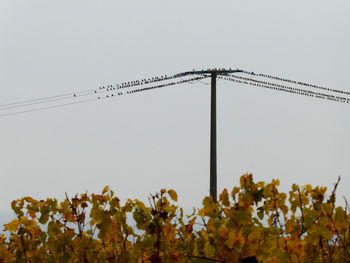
<point>46,101</point>
<point>284,88</point>
<point>110,89</point>
<point>292,88</point>
<point>295,82</point>
<point>47,107</point>
<point>200,81</point>
<point>27,102</point>
<point>110,95</point>
<point>73,95</point>
<point>182,81</point>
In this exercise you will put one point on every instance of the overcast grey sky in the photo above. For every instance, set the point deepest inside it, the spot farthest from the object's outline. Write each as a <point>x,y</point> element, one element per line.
<point>140,143</point>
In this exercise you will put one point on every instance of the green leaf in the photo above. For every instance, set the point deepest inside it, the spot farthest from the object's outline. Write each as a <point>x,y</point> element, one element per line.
<point>209,251</point>
<point>16,209</point>
<point>53,228</point>
<point>43,218</point>
<point>208,202</point>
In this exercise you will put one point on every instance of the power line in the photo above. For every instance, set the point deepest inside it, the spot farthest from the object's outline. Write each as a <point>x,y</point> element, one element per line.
<point>113,90</point>
<point>157,86</point>
<point>110,95</point>
<point>73,95</point>
<point>47,107</point>
<point>42,102</point>
<point>285,89</point>
<point>295,89</point>
<point>330,96</point>
<point>295,82</point>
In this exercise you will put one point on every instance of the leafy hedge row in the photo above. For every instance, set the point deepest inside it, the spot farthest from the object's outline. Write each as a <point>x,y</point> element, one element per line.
<point>253,220</point>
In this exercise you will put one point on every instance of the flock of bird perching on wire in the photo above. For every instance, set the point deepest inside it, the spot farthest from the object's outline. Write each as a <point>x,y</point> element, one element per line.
<point>136,86</point>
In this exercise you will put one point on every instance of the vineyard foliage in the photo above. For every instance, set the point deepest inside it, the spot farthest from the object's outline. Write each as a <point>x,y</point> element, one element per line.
<point>254,219</point>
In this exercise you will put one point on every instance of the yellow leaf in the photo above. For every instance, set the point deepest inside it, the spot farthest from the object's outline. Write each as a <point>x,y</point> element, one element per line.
<point>224,198</point>
<point>173,195</point>
<point>289,226</point>
<point>230,240</point>
<point>105,189</point>
<point>208,202</point>
<point>235,190</point>
<point>12,226</point>
<point>275,182</point>
<point>295,187</point>
<point>308,188</point>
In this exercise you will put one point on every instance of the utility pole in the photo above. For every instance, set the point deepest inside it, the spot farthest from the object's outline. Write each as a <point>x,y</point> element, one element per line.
<point>212,73</point>
<point>213,156</point>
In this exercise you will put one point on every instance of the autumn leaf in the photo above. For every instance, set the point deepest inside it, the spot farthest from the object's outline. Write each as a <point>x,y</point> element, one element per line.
<point>12,226</point>
<point>305,227</point>
<point>105,190</point>
<point>173,195</point>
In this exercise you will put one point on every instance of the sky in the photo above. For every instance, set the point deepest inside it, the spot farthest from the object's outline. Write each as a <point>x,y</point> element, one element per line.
<point>141,143</point>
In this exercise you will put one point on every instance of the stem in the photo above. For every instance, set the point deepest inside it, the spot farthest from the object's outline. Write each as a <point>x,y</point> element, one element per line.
<point>205,258</point>
<point>302,231</point>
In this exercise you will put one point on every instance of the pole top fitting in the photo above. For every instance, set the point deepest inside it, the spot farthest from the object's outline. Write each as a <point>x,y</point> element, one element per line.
<point>220,71</point>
